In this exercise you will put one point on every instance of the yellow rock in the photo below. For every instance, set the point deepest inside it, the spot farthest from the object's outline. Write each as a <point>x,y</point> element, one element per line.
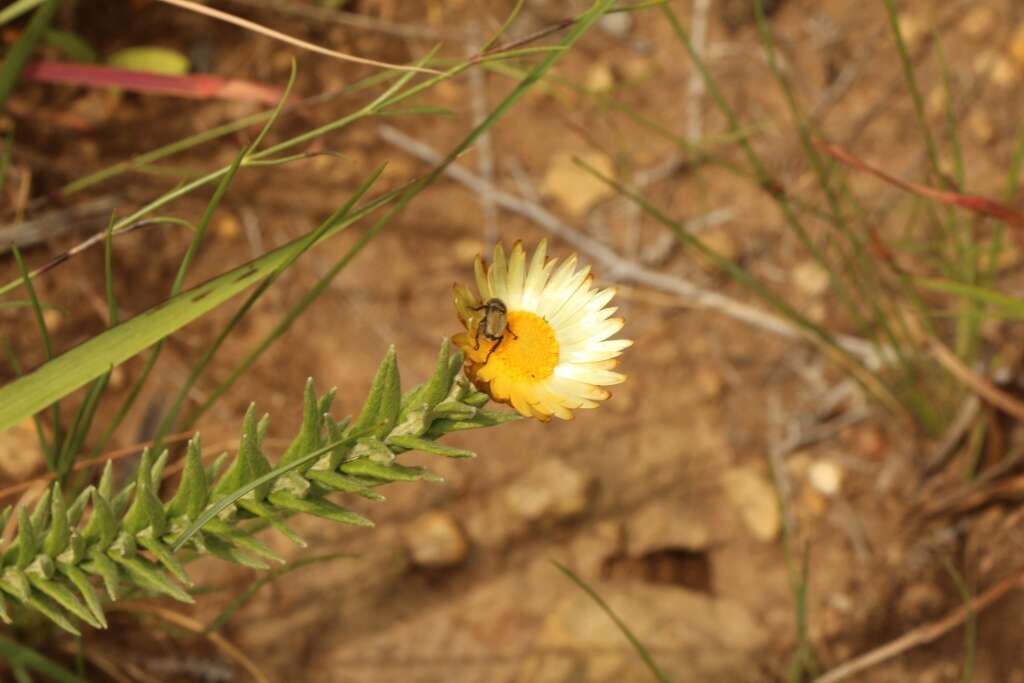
<point>810,278</point>
<point>980,125</point>
<point>600,78</point>
<point>1017,44</point>
<point>575,188</point>
<point>978,22</point>
<point>755,498</point>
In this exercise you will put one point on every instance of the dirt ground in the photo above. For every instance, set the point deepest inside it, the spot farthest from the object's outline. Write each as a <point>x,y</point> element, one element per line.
<point>664,499</point>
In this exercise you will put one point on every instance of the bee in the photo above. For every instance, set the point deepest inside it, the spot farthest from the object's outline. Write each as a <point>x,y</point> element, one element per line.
<point>493,324</point>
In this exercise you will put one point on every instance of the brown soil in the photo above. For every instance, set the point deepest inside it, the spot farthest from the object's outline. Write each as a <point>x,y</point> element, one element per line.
<point>675,528</point>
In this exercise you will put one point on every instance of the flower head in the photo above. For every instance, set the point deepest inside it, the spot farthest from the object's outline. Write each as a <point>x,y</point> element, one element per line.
<point>537,336</point>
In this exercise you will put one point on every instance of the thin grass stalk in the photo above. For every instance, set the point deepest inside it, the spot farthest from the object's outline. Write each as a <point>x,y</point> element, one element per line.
<point>911,79</point>
<point>764,178</point>
<point>51,454</point>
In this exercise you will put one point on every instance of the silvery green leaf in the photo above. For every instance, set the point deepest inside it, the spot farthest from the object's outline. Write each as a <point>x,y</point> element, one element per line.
<point>381,408</point>
<point>266,512</point>
<point>64,597</point>
<point>151,578</point>
<point>82,583</point>
<point>4,616</point>
<point>230,553</point>
<point>121,501</point>
<point>101,529</point>
<point>341,482</point>
<point>16,583</point>
<point>156,473</point>
<point>454,410</point>
<point>335,433</point>
<point>106,485</point>
<point>217,466</point>
<point>59,534</point>
<point>240,539</point>
<point>52,612</point>
<point>368,468</point>
<point>483,418</point>
<point>318,507</point>
<point>309,434</point>
<point>100,565</point>
<point>27,543</point>
<point>164,555</point>
<point>250,463</point>
<point>77,508</point>
<point>327,400</point>
<point>413,443</point>
<point>41,513</point>
<point>193,491</point>
<point>146,509</point>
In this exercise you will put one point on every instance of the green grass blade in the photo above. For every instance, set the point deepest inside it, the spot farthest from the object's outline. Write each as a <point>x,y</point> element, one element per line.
<point>57,378</point>
<point>17,56</point>
<point>655,670</point>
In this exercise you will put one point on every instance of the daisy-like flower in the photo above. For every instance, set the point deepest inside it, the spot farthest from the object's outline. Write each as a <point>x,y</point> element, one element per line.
<point>537,336</point>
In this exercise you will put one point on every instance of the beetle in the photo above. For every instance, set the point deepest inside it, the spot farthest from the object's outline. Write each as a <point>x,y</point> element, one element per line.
<point>493,324</point>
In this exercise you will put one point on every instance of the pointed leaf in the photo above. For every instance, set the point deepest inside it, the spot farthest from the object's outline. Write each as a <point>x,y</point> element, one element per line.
<point>413,443</point>
<point>146,509</point>
<point>318,507</point>
<point>165,557</point>
<point>483,418</point>
<point>308,438</point>
<point>150,577</point>
<point>102,527</point>
<point>119,503</point>
<point>52,612</point>
<point>64,597</point>
<point>77,508</point>
<point>381,408</point>
<point>106,485</point>
<point>156,474</point>
<point>59,535</point>
<point>327,400</point>
<point>81,582</point>
<point>340,482</point>
<point>16,583</point>
<point>230,553</point>
<point>240,539</point>
<point>41,513</point>
<point>28,544</point>
<point>266,512</point>
<point>335,434</point>
<point>368,468</point>
<point>100,565</point>
<point>193,490</point>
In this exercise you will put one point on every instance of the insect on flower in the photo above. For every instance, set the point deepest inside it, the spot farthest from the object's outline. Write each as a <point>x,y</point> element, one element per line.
<point>537,335</point>
<point>493,325</point>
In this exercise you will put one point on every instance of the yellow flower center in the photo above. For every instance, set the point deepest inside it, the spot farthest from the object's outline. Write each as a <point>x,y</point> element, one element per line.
<point>527,353</point>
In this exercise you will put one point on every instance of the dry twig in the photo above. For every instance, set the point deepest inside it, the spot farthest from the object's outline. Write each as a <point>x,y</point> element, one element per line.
<point>927,633</point>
